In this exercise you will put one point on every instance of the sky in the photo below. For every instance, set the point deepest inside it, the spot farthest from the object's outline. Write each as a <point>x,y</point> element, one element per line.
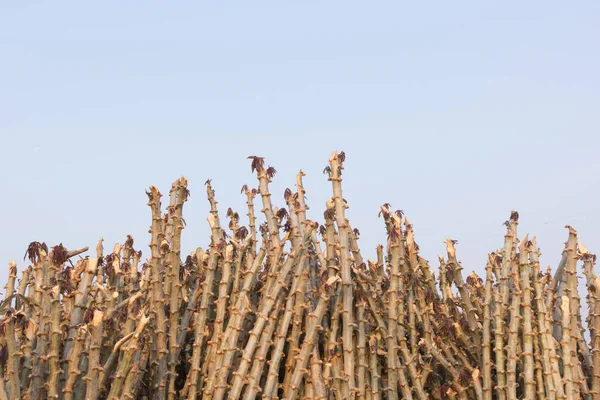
<point>454,112</point>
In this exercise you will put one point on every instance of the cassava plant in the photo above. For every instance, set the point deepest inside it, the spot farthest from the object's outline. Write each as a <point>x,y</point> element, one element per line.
<point>291,309</point>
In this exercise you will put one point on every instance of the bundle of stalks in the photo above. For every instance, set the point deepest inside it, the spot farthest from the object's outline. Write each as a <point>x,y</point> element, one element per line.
<point>290,309</point>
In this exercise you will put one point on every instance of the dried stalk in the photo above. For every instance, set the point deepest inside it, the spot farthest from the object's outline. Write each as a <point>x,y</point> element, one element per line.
<point>94,368</point>
<point>73,363</point>
<point>157,291</point>
<point>528,335</point>
<point>487,337</point>
<point>181,193</point>
<point>12,367</point>
<point>336,164</point>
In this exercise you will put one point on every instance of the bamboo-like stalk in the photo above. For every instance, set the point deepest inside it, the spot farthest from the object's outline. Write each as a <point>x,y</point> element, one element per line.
<point>250,195</point>
<point>374,345</point>
<point>567,352</point>
<point>502,304</point>
<point>244,253</point>
<point>12,366</point>
<point>394,245</point>
<point>316,375</point>
<point>362,350</point>
<point>56,336</point>
<point>595,392</point>
<point>336,164</point>
<point>539,374</point>
<point>157,290</point>
<point>198,259</point>
<point>41,315</point>
<point>513,333</point>
<point>593,321</point>
<point>297,324</point>
<point>181,195</point>
<point>9,289</point>
<point>221,303</point>
<point>94,368</point>
<point>73,363</point>
<point>472,312</point>
<point>301,206</point>
<point>90,267</point>
<point>264,176</point>
<point>487,337</point>
<point>332,368</point>
<point>528,335</point>
<point>553,380</point>
<point>574,305</point>
<point>24,284</point>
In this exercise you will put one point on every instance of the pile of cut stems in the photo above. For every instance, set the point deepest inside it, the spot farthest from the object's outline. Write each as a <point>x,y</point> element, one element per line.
<point>290,309</point>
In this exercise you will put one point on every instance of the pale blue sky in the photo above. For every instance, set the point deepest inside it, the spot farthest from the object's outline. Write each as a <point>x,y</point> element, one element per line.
<point>455,112</point>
